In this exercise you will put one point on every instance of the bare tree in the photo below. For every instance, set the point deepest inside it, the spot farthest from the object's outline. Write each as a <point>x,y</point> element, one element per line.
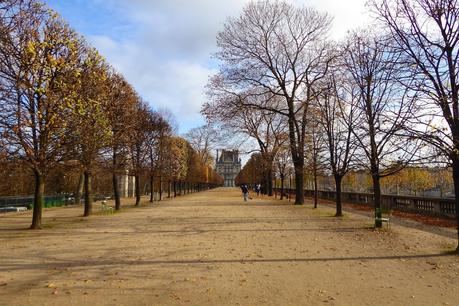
<point>427,32</point>
<point>267,129</point>
<point>315,149</point>
<point>204,140</point>
<point>283,166</point>
<point>336,119</point>
<point>279,50</point>
<point>382,107</point>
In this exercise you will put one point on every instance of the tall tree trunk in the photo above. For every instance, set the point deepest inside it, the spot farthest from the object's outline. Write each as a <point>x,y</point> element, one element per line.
<point>160,187</point>
<point>282,177</point>
<point>116,191</point>
<point>151,188</point>
<point>175,188</point>
<point>456,193</point>
<point>38,200</point>
<point>79,189</point>
<point>270,182</point>
<point>299,191</point>
<point>316,195</point>
<point>87,193</point>
<point>264,184</point>
<point>377,198</point>
<point>339,210</point>
<point>137,174</point>
<point>169,189</point>
<point>137,190</point>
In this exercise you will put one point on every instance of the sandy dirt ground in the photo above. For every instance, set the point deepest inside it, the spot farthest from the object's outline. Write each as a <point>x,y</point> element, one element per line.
<point>211,248</point>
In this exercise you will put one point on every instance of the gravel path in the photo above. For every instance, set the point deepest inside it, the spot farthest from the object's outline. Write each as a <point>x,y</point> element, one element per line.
<point>211,248</point>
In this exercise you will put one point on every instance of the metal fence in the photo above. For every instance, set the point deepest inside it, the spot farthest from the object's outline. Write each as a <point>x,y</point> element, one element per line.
<point>28,201</point>
<point>437,207</point>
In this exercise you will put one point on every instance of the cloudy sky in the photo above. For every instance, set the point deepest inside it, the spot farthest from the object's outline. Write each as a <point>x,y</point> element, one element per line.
<point>164,47</point>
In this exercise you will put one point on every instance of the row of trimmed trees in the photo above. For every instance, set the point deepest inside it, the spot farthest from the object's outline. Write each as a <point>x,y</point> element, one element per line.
<point>379,100</point>
<point>61,103</point>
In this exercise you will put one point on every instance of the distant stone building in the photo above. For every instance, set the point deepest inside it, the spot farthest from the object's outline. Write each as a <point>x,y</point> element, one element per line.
<point>228,165</point>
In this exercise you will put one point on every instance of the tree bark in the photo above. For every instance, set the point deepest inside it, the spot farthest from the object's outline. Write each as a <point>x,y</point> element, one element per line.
<point>79,189</point>
<point>316,195</point>
<point>377,197</point>
<point>168,189</point>
<point>339,210</point>
<point>299,192</point>
<point>38,200</point>
<point>87,193</point>
<point>116,192</point>
<point>455,165</point>
<point>270,182</point>
<point>160,188</point>
<point>282,187</point>
<point>137,190</point>
<point>175,188</point>
<point>151,188</point>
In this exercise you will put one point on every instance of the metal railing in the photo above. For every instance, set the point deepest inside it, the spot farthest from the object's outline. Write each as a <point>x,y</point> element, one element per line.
<point>437,207</point>
<point>27,201</point>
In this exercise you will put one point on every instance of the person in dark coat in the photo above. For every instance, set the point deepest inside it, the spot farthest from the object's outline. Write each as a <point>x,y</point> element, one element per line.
<point>258,189</point>
<point>245,191</point>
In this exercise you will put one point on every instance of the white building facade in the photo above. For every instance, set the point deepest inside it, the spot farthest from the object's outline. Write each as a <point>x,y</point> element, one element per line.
<point>228,165</point>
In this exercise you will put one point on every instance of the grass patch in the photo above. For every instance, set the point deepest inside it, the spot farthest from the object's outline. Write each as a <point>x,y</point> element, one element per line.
<point>328,214</point>
<point>104,213</point>
<point>369,225</point>
<point>449,248</point>
<point>384,229</point>
<point>343,217</point>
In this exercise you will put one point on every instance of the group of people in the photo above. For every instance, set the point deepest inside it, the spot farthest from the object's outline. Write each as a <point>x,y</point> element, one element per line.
<point>245,191</point>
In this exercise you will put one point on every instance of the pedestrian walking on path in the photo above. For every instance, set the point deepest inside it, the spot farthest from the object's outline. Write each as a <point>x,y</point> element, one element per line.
<point>245,191</point>
<point>258,189</point>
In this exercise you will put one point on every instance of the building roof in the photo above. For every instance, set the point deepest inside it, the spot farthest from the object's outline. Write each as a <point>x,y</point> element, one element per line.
<point>229,156</point>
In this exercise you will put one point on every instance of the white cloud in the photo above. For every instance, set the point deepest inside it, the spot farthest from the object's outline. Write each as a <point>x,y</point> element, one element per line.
<point>174,84</point>
<point>166,56</point>
<point>347,14</point>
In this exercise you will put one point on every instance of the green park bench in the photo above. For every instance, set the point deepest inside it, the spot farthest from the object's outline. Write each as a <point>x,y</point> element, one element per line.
<point>107,209</point>
<point>379,219</point>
